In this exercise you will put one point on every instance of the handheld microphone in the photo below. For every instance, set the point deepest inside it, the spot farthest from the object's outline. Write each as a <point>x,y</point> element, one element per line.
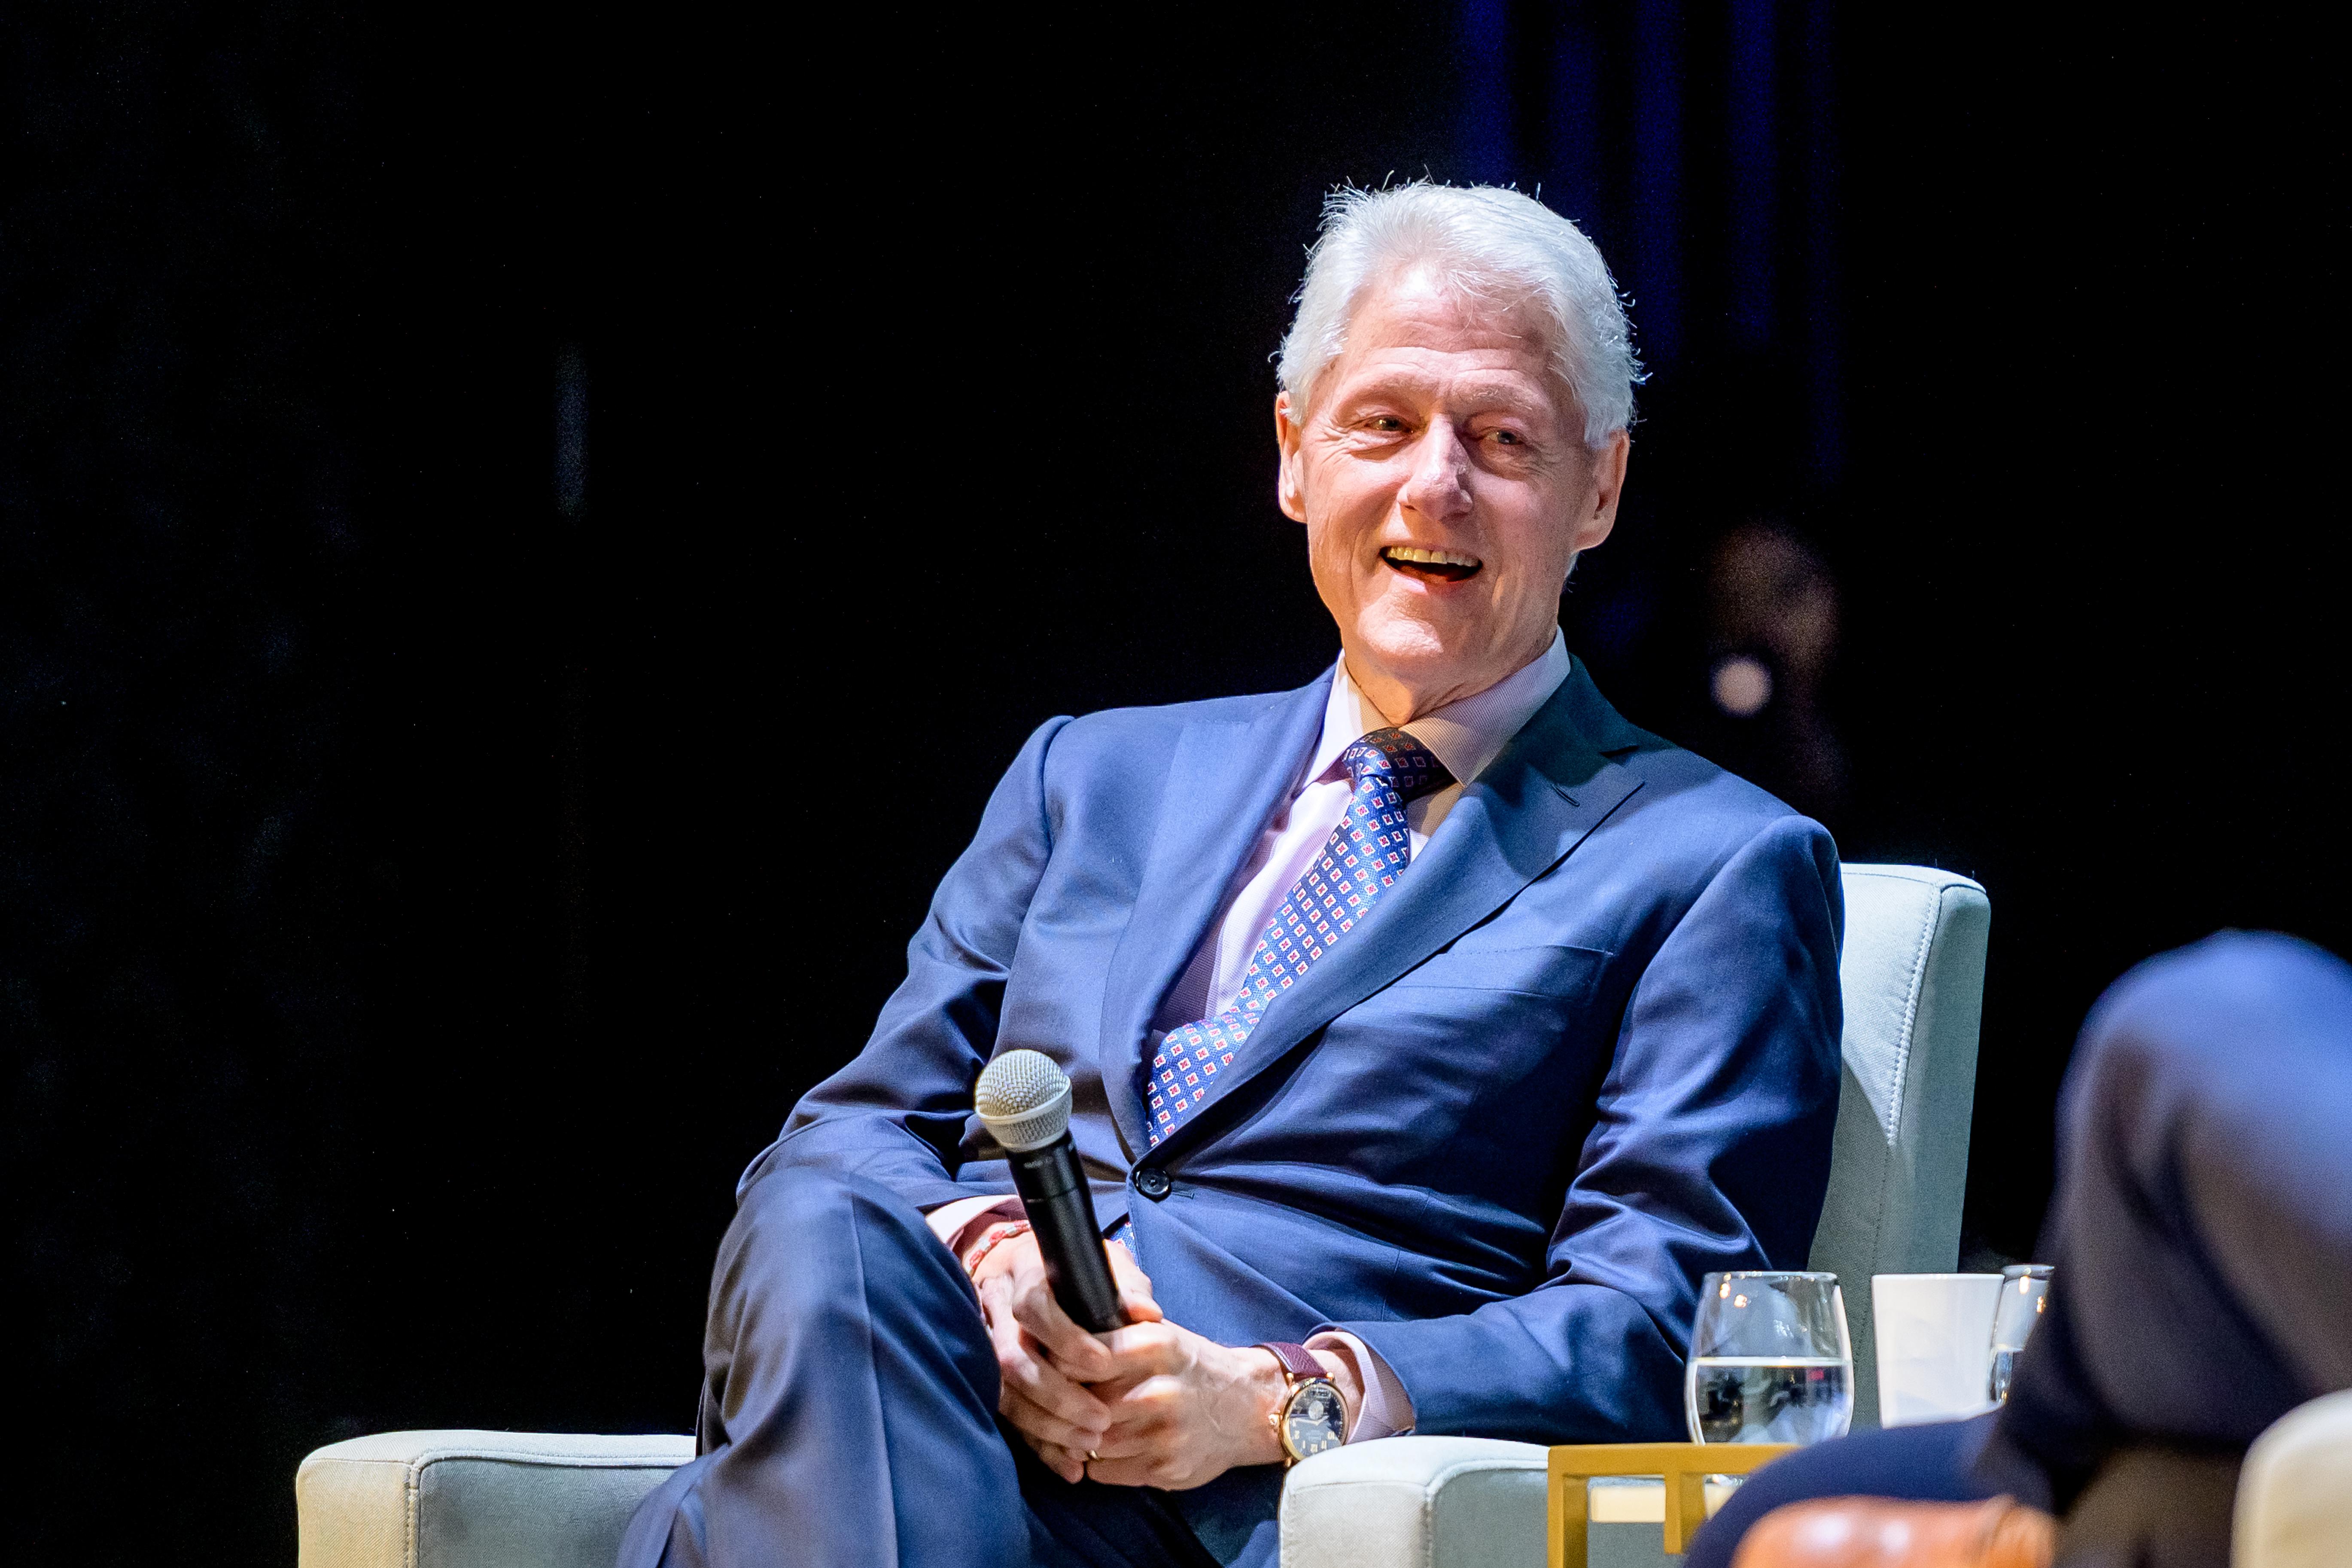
<point>1023,1100</point>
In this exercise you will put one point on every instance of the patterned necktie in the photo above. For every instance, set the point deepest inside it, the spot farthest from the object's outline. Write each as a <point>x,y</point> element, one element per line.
<point>1361,860</point>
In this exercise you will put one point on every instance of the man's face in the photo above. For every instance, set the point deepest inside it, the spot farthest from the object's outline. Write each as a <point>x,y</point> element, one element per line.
<point>1442,473</point>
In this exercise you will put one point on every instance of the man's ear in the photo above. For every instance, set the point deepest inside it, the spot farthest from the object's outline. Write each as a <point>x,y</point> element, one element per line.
<point>1608,486</point>
<point>1289,486</point>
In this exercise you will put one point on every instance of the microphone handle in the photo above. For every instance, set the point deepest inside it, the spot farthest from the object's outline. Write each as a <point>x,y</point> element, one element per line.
<point>1060,1210</point>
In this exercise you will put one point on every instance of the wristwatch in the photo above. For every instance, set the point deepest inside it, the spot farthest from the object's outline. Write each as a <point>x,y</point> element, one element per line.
<point>1311,1416</point>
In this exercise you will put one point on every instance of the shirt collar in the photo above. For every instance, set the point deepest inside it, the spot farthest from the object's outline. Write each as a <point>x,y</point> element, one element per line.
<point>1464,735</point>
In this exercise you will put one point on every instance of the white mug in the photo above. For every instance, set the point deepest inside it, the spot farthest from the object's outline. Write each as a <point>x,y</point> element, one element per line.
<point>1935,1345</point>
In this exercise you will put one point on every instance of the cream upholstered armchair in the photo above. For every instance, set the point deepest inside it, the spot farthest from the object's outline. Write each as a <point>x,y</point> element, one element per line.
<point>1912,975</point>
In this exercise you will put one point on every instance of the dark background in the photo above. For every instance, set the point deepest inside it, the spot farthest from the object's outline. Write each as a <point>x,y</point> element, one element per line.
<point>525,542</point>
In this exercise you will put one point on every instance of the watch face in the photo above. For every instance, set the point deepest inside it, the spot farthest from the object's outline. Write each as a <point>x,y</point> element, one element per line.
<point>1314,1420</point>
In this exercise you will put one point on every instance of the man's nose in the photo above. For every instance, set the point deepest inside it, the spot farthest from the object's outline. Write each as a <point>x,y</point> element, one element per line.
<point>1439,486</point>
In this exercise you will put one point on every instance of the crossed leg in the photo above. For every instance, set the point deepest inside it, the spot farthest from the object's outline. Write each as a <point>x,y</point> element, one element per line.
<point>849,1411</point>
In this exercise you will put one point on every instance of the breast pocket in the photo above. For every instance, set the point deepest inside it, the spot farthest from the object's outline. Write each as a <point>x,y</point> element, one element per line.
<point>1551,969</point>
<point>1471,1075</point>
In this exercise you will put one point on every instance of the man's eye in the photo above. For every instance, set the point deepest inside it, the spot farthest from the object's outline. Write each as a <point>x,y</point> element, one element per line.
<point>1509,438</point>
<point>1387,423</point>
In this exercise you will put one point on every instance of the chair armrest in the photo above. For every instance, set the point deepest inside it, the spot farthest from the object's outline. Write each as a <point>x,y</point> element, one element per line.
<point>2292,1509</point>
<point>1404,1502</point>
<point>1460,1502</point>
<point>476,1500</point>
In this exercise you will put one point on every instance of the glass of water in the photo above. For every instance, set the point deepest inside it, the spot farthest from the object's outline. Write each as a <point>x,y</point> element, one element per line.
<point>1769,1360</point>
<point>2024,1291</point>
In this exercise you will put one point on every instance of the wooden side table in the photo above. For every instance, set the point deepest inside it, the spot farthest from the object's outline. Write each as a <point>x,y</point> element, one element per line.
<point>1684,1466</point>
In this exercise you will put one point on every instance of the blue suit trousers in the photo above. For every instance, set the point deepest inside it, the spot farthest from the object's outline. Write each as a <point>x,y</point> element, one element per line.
<point>850,1411</point>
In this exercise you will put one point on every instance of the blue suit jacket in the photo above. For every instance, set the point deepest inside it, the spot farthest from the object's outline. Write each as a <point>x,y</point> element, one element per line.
<point>1585,1051</point>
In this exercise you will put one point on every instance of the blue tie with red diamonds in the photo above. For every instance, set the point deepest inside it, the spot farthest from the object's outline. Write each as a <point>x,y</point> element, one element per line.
<point>1360,861</point>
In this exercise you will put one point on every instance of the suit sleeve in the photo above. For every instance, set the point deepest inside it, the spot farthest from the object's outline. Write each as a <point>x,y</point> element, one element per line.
<point>1710,1151</point>
<point>896,1113</point>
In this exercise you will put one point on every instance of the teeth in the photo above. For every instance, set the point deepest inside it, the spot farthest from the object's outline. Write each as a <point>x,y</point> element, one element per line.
<point>1428,557</point>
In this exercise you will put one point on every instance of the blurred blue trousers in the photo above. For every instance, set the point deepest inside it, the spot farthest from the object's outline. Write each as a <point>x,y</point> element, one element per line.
<point>849,1413</point>
<point>2202,1236</point>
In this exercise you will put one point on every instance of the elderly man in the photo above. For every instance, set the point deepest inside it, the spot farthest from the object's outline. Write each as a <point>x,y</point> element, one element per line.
<point>1432,1028</point>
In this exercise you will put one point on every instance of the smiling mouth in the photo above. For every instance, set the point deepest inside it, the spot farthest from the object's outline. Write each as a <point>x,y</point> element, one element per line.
<point>1430,565</point>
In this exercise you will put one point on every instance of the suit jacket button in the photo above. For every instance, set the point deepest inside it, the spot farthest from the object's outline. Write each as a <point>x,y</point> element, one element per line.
<point>1152,1182</point>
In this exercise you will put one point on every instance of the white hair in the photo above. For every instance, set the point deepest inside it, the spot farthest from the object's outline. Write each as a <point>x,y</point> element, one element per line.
<point>1482,241</point>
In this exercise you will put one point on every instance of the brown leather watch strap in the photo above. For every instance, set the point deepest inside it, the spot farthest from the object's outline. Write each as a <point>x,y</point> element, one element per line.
<point>1297,1360</point>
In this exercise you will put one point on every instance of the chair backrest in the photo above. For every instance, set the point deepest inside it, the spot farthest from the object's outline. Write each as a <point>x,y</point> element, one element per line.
<point>1912,975</point>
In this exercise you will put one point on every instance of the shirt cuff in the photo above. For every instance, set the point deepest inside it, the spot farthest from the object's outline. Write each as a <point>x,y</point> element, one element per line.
<point>1387,1409</point>
<point>959,1224</point>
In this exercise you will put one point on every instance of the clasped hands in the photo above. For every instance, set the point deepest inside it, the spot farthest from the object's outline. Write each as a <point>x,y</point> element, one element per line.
<point>1150,1405</point>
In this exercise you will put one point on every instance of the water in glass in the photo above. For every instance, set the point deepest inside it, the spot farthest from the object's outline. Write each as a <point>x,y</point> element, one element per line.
<point>1746,1399</point>
<point>1769,1361</point>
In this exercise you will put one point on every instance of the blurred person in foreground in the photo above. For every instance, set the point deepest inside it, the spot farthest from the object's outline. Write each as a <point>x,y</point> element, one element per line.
<point>2203,1234</point>
<point>1432,1029</point>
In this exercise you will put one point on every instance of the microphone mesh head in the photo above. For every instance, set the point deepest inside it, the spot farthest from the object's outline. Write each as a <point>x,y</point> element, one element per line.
<point>1024,1100</point>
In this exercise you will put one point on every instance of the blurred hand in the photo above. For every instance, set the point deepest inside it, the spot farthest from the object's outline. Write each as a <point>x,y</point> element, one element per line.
<point>1881,1532</point>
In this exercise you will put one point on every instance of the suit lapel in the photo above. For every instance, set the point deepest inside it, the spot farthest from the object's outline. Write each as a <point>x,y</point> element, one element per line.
<point>1550,787</point>
<point>1224,783</point>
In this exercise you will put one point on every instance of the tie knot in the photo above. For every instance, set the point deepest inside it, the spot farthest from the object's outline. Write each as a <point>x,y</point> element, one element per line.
<point>1410,768</point>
